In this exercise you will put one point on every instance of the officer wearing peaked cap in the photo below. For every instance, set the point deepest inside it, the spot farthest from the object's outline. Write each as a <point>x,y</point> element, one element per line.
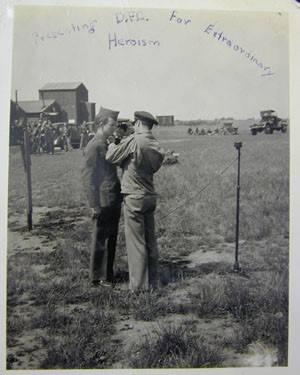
<point>103,191</point>
<point>145,117</point>
<point>105,113</point>
<point>140,157</point>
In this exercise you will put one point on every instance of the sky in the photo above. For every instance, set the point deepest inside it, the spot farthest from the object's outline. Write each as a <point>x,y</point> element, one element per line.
<point>192,64</point>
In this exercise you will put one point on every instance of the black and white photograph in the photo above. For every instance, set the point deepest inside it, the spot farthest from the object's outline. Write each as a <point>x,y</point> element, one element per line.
<point>148,200</point>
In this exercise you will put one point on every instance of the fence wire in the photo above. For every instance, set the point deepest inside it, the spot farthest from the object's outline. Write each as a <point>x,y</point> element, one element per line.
<point>198,192</point>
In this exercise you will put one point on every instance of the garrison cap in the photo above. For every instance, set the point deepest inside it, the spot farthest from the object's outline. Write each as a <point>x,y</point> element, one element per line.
<point>145,116</point>
<point>107,113</point>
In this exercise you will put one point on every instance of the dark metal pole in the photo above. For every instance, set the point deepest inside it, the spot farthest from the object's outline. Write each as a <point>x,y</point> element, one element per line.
<point>236,267</point>
<point>27,165</point>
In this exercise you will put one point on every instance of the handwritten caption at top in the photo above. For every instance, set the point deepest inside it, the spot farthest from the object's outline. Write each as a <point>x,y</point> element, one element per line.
<point>73,28</point>
<point>138,17</point>
<point>115,41</point>
<point>222,38</point>
<point>130,17</point>
<point>180,20</point>
<point>134,17</point>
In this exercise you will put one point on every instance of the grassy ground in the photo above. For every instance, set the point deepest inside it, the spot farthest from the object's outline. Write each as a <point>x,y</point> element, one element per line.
<point>204,315</point>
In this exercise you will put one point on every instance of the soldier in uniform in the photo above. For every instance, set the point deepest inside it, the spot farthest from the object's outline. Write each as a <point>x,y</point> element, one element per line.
<point>103,191</point>
<point>84,136</point>
<point>42,141</point>
<point>33,136</point>
<point>49,137</point>
<point>140,157</point>
<point>67,137</point>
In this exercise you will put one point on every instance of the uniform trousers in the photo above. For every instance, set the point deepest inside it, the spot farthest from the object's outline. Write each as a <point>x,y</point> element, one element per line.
<point>104,241</point>
<point>141,242</point>
<point>50,146</point>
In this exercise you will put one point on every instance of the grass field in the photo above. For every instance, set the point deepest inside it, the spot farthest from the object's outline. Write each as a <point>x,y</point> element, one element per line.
<point>204,315</point>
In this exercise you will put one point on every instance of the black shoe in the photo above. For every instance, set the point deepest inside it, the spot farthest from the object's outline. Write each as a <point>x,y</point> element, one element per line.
<point>102,283</point>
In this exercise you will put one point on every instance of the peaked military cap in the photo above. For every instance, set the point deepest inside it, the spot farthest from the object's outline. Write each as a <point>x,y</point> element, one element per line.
<point>107,113</point>
<point>145,116</point>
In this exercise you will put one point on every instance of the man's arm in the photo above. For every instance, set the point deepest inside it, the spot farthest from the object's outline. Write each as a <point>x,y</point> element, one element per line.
<point>154,153</point>
<point>116,154</point>
<point>158,156</point>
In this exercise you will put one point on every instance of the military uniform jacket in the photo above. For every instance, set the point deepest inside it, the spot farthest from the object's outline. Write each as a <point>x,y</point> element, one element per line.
<point>100,177</point>
<point>140,156</point>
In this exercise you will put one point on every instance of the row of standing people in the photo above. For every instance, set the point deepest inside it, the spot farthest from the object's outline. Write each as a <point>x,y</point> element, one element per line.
<point>216,131</point>
<point>203,131</point>
<point>43,135</point>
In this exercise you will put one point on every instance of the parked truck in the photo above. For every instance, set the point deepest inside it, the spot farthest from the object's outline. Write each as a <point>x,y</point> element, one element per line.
<point>229,129</point>
<point>268,123</point>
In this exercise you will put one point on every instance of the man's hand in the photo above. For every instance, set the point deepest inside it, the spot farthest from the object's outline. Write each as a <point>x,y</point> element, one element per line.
<point>111,140</point>
<point>111,145</point>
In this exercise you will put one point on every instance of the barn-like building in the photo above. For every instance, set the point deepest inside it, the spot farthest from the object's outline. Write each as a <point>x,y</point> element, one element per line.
<point>32,109</point>
<point>73,100</point>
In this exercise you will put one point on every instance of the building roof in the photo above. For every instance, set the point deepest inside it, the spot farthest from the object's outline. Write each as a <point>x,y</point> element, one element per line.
<point>61,86</point>
<point>35,106</point>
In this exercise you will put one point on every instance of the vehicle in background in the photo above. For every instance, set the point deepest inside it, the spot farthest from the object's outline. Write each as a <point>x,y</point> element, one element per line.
<point>268,123</point>
<point>228,129</point>
<point>60,133</point>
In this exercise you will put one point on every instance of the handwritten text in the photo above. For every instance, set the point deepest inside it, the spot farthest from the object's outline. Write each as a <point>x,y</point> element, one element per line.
<point>114,41</point>
<point>219,35</point>
<point>89,27</point>
<point>175,18</point>
<point>130,17</point>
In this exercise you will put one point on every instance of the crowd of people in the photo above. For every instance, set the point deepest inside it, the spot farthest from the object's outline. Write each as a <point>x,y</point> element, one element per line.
<point>43,135</point>
<point>222,131</point>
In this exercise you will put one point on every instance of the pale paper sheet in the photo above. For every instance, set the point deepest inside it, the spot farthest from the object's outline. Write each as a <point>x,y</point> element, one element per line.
<point>292,7</point>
